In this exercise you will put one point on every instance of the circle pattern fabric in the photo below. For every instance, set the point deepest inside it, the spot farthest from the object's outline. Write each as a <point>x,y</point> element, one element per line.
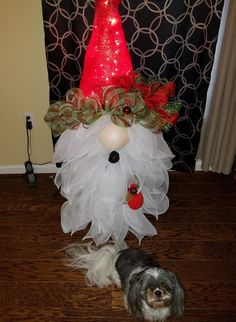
<point>170,39</point>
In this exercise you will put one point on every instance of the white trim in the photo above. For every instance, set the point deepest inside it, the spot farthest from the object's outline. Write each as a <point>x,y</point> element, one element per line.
<point>20,169</point>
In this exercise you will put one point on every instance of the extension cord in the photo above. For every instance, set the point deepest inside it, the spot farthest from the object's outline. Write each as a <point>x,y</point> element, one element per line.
<point>30,175</point>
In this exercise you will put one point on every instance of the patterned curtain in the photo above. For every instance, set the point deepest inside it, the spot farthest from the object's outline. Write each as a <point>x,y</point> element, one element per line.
<point>173,40</point>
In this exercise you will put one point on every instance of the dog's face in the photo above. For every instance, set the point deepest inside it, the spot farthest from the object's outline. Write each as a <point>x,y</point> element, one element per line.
<point>155,293</point>
<point>158,292</point>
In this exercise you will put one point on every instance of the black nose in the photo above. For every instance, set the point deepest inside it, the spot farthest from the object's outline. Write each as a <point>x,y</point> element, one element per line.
<point>114,157</point>
<point>158,293</point>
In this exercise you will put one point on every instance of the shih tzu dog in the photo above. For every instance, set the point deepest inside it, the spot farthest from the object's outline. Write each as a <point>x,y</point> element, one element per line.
<point>150,292</point>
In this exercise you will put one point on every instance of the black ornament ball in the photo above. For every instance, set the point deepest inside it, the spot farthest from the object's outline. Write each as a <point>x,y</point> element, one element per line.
<point>114,157</point>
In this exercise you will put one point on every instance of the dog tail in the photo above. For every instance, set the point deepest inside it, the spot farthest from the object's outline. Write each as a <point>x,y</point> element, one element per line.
<point>98,264</point>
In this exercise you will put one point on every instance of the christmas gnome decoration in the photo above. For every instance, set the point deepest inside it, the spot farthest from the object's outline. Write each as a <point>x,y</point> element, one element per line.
<point>114,159</point>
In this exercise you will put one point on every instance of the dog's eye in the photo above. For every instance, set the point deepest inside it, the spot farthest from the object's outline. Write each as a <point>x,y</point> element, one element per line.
<point>165,286</point>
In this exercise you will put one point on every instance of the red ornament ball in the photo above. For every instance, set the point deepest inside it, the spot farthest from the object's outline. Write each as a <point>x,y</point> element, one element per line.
<point>136,201</point>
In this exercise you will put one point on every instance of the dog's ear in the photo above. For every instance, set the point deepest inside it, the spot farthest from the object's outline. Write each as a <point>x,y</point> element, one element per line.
<point>134,294</point>
<point>177,307</point>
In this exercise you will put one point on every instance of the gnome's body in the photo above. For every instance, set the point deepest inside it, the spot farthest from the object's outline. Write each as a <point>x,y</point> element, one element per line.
<point>111,175</point>
<point>96,189</point>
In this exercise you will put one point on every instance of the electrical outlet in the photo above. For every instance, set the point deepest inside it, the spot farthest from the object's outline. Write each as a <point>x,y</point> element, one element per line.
<point>27,115</point>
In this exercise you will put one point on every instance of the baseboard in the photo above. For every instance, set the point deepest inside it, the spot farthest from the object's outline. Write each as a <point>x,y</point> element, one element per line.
<point>19,169</point>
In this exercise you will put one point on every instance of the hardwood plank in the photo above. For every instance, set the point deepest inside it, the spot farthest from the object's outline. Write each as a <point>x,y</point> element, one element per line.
<point>188,250</point>
<point>189,316</point>
<point>59,314</point>
<point>10,184</point>
<point>55,270</point>
<point>52,294</point>
<point>177,231</point>
<point>200,271</point>
<point>181,215</point>
<point>34,217</point>
<point>203,215</point>
<point>30,206</point>
<point>203,201</point>
<point>217,296</point>
<point>198,296</point>
<point>39,270</point>
<point>200,201</point>
<point>233,227</point>
<point>197,240</point>
<point>199,177</point>
<point>221,188</point>
<point>165,250</point>
<point>184,231</point>
<point>207,316</point>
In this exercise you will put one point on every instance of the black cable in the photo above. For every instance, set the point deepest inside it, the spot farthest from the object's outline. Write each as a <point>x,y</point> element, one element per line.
<point>29,143</point>
<point>29,148</point>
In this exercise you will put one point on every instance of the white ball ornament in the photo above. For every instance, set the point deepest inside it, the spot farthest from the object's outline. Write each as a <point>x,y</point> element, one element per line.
<point>114,137</point>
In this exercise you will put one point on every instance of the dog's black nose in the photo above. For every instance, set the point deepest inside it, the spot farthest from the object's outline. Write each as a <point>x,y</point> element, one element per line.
<point>158,293</point>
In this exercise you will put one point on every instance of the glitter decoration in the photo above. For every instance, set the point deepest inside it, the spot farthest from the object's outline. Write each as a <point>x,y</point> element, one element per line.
<point>107,55</point>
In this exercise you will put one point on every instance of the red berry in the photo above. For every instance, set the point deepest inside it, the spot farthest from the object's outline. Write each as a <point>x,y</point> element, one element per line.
<point>126,110</point>
<point>133,191</point>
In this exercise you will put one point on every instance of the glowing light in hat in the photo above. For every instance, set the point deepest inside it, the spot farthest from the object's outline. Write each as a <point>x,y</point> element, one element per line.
<point>107,55</point>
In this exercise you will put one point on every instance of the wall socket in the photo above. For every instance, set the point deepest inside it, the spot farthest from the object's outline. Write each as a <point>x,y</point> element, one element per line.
<point>30,115</point>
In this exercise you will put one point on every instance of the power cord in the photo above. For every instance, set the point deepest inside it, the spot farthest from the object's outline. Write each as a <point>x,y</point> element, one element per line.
<point>30,175</point>
<point>29,127</point>
<point>29,170</point>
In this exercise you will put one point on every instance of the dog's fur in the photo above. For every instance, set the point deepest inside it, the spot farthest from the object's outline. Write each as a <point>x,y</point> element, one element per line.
<point>150,292</point>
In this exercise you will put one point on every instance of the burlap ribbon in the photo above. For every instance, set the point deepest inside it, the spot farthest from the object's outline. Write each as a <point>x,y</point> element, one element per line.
<point>138,101</point>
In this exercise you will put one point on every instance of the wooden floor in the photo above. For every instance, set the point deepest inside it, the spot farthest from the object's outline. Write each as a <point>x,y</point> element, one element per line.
<point>197,240</point>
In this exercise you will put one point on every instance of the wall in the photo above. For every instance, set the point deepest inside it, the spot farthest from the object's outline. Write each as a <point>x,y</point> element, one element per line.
<point>23,82</point>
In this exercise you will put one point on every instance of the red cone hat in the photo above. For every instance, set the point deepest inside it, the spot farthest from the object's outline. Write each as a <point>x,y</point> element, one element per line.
<point>107,55</point>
